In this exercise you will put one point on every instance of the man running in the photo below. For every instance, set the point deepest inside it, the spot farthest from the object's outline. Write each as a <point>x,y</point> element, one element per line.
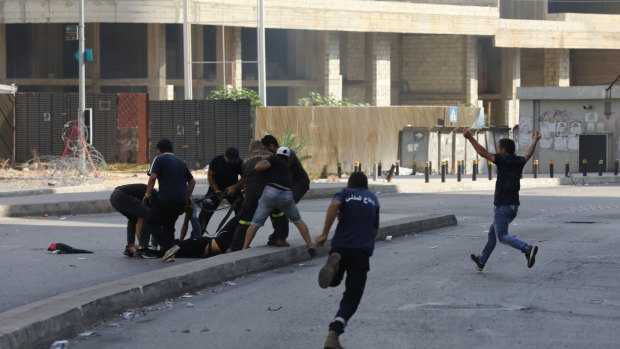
<point>506,201</point>
<point>357,210</point>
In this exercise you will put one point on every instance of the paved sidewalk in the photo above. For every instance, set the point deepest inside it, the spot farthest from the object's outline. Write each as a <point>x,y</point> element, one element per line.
<point>93,199</point>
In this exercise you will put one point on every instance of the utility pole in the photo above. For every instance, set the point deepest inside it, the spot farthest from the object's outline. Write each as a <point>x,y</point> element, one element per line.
<point>187,51</point>
<point>262,78</point>
<point>82,84</point>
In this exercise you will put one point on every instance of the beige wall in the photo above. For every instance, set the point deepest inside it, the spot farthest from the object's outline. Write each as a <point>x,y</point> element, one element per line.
<point>532,67</point>
<point>594,67</point>
<point>350,134</point>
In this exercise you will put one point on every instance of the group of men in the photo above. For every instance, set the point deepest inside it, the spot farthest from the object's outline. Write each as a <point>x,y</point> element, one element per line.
<point>273,181</point>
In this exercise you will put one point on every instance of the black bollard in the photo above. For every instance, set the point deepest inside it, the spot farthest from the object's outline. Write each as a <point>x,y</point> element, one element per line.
<point>535,169</point>
<point>324,172</point>
<point>616,167</point>
<point>601,164</point>
<point>427,170</point>
<point>584,165</point>
<point>339,170</point>
<point>550,168</point>
<point>414,165</point>
<point>567,168</point>
<point>458,170</point>
<point>475,170</point>
<point>490,169</point>
<point>430,168</point>
<point>379,169</point>
<point>359,167</point>
<point>443,172</point>
<point>397,168</point>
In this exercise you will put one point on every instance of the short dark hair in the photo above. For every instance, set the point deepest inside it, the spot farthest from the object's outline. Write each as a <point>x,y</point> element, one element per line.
<point>270,140</point>
<point>164,145</point>
<point>357,180</point>
<point>508,145</point>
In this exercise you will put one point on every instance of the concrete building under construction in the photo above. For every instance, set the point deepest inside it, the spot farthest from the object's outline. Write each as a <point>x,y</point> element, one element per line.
<point>407,52</point>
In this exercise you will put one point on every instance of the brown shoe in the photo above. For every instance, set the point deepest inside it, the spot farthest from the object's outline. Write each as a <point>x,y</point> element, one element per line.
<point>329,270</point>
<point>332,341</point>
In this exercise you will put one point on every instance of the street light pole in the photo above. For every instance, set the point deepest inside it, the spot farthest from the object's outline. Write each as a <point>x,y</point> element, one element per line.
<point>262,78</point>
<point>187,51</point>
<point>82,83</point>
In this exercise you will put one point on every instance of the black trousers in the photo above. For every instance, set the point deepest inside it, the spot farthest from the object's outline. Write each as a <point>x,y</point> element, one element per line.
<point>161,221</point>
<point>355,263</point>
<point>130,207</point>
<point>279,220</point>
<point>248,208</point>
<point>205,214</point>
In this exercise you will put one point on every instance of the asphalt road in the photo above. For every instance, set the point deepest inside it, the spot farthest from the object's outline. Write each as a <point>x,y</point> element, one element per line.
<point>33,274</point>
<point>422,291</point>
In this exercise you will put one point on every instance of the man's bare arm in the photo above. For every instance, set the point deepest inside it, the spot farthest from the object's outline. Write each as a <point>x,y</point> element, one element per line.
<point>330,217</point>
<point>477,147</point>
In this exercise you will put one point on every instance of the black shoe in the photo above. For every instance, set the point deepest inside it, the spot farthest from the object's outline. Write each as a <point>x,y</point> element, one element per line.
<point>329,270</point>
<point>312,252</point>
<point>128,252</point>
<point>278,243</point>
<point>530,255</point>
<point>145,253</point>
<point>474,259</point>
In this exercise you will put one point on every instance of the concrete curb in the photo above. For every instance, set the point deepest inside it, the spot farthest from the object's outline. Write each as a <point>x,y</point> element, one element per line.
<point>59,190</point>
<point>38,324</point>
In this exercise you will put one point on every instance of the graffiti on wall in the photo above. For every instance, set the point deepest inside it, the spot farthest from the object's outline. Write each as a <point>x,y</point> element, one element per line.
<point>559,130</point>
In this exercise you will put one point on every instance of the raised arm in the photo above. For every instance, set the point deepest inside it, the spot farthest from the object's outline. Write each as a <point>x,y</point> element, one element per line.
<point>532,147</point>
<point>477,147</point>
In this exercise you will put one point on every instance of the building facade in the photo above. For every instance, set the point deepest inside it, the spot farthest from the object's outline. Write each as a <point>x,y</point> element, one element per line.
<point>415,52</point>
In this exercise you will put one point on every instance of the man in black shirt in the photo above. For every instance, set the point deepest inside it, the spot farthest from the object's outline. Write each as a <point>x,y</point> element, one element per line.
<point>253,185</point>
<point>127,199</point>
<point>301,184</point>
<point>506,201</point>
<point>277,194</point>
<point>176,185</point>
<point>224,171</point>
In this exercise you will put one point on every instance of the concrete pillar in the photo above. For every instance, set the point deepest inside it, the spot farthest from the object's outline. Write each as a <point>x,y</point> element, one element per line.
<point>220,55</point>
<point>3,60</point>
<point>156,42</point>
<point>557,67</point>
<point>471,69</point>
<point>511,79</point>
<point>236,56</point>
<point>198,43</point>
<point>93,69</point>
<point>332,83</point>
<point>380,64</point>
<point>354,67</point>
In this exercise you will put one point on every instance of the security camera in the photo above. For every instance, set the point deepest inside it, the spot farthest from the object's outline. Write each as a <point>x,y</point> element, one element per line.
<point>587,106</point>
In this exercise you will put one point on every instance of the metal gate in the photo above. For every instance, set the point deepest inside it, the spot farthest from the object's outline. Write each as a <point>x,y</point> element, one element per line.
<point>7,127</point>
<point>593,148</point>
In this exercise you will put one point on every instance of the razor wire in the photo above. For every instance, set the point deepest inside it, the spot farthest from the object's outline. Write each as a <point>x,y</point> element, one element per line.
<point>80,162</point>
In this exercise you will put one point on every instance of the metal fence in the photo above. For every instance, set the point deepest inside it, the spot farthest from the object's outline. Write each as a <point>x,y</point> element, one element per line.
<point>200,130</point>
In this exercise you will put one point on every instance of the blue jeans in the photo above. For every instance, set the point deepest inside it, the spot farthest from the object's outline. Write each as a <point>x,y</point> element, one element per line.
<point>499,230</point>
<point>196,229</point>
<point>273,199</point>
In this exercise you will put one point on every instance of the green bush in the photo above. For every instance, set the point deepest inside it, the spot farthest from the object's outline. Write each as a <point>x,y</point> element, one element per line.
<point>234,94</point>
<point>315,99</point>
